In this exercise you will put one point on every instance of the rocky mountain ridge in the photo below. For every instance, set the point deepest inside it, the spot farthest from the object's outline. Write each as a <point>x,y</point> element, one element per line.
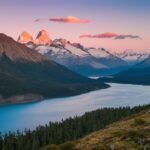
<point>86,61</point>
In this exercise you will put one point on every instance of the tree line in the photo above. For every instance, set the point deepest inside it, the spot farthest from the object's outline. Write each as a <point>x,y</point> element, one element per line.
<point>65,130</point>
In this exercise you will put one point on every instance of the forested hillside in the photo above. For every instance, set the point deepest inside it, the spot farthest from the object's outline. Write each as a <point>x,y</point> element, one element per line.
<point>67,130</point>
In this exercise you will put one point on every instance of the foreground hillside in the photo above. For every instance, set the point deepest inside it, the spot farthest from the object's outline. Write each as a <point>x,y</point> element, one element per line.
<point>71,129</point>
<point>132,133</point>
<point>26,75</point>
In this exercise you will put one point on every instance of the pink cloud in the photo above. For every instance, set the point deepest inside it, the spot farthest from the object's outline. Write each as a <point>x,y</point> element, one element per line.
<point>68,19</point>
<point>103,35</point>
<point>111,35</point>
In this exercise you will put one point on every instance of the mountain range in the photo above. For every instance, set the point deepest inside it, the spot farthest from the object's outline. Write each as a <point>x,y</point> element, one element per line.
<point>28,75</point>
<point>28,69</point>
<point>86,61</point>
<point>138,74</point>
<point>132,57</point>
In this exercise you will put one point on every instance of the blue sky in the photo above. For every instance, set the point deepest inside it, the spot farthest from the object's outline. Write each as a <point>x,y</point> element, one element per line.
<point>117,16</point>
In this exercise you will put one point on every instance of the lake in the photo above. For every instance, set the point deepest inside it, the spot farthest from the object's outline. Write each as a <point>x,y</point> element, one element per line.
<point>30,115</point>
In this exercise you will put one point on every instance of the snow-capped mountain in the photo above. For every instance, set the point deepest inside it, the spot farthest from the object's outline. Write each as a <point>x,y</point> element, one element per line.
<point>132,57</point>
<point>28,75</point>
<point>86,61</point>
<point>61,48</point>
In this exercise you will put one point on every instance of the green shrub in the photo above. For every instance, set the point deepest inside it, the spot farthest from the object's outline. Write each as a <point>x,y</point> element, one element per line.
<point>65,146</point>
<point>51,147</point>
<point>139,121</point>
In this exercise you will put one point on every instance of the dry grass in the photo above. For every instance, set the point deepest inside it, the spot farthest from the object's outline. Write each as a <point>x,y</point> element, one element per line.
<point>133,133</point>
<point>129,134</point>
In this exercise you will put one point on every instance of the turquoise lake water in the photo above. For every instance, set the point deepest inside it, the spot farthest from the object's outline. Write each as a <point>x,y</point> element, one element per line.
<point>30,115</point>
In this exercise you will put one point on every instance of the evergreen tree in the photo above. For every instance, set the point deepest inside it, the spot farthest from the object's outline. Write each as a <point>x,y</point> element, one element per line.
<point>66,130</point>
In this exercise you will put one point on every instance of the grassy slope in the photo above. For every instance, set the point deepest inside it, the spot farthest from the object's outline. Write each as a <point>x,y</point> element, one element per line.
<point>124,135</point>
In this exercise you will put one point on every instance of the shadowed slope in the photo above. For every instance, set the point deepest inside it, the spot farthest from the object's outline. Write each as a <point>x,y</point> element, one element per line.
<point>24,71</point>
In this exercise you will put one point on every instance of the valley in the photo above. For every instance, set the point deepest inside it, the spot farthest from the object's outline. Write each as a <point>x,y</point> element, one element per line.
<point>74,75</point>
<point>32,114</point>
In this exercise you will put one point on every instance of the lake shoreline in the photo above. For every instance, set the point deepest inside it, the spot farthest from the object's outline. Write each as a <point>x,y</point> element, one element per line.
<point>40,112</point>
<point>42,98</point>
<point>30,98</point>
<point>113,80</point>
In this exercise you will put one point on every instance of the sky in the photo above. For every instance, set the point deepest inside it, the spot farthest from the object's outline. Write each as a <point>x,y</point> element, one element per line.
<point>113,24</point>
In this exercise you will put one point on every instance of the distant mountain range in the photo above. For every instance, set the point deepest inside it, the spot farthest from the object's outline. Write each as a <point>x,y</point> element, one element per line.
<point>128,66</point>
<point>86,61</point>
<point>138,74</point>
<point>132,56</point>
<point>28,75</point>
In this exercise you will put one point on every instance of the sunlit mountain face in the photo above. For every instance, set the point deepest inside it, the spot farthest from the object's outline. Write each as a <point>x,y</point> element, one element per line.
<point>25,37</point>
<point>43,38</point>
<point>88,61</point>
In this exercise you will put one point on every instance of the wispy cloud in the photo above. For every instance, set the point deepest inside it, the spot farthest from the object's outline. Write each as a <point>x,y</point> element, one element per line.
<point>111,35</point>
<point>38,20</point>
<point>68,19</point>
<point>128,36</point>
<point>103,35</point>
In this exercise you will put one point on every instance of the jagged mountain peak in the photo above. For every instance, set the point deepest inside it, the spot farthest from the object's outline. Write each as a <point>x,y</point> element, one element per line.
<point>25,37</point>
<point>61,42</point>
<point>43,38</point>
<point>42,32</point>
<point>75,56</point>
<point>18,52</point>
<point>132,56</point>
<point>131,52</point>
<point>99,52</point>
<point>78,45</point>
